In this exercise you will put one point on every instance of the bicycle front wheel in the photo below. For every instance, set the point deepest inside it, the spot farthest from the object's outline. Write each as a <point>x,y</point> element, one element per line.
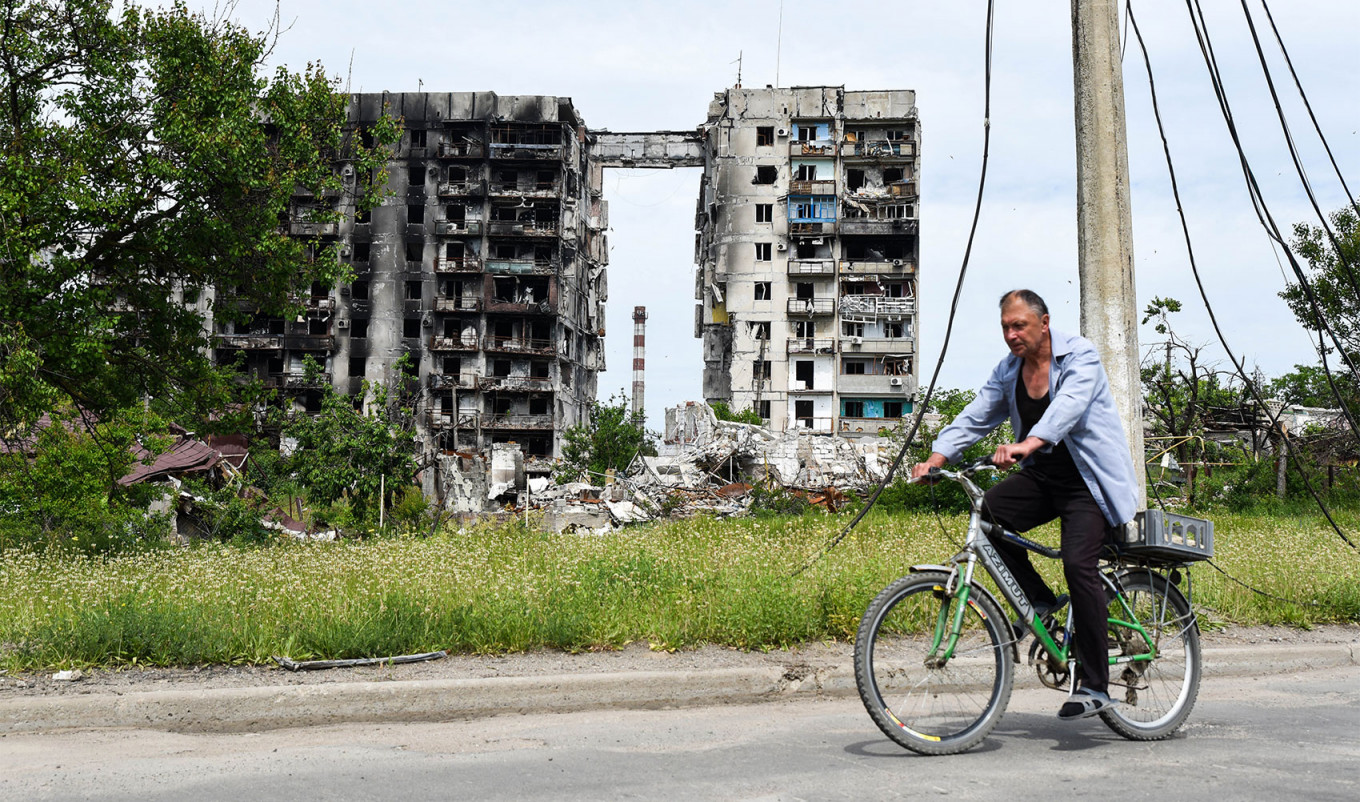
<point>927,704</point>
<point>1157,694</point>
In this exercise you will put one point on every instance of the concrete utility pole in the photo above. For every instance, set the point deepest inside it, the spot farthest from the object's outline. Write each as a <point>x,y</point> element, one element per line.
<point>1109,303</point>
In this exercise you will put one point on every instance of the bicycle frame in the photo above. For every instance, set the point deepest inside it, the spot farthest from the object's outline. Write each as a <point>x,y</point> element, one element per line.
<point>978,549</point>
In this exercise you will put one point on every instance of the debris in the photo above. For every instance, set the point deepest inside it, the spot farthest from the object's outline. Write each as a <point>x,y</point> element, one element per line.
<point>313,665</point>
<point>74,675</point>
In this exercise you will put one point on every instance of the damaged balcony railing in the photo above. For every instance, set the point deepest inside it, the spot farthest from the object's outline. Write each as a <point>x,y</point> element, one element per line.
<point>512,150</point>
<point>465,188</point>
<point>813,147</point>
<point>510,420</point>
<point>867,308</point>
<point>521,345</point>
<point>460,342</point>
<point>811,306</point>
<point>867,425</point>
<point>877,345</point>
<point>808,424</point>
<point>462,303</point>
<point>250,341</point>
<point>812,267</point>
<point>452,227</point>
<point>442,419</point>
<point>532,267</point>
<point>522,228</point>
<point>461,150</point>
<point>453,381</point>
<point>457,264</point>
<point>303,228</point>
<point>515,383</point>
<point>811,345</point>
<point>879,149</point>
<point>871,266</point>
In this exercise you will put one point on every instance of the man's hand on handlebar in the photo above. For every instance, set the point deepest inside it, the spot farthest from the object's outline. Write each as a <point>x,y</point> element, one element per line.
<point>1008,454</point>
<point>920,469</point>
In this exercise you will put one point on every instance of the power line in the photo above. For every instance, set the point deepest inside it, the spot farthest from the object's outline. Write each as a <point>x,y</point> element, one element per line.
<point>953,309</point>
<point>1194,269</point>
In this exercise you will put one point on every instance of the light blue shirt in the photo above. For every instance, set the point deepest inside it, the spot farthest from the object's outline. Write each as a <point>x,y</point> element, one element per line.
<point>1081,413</point>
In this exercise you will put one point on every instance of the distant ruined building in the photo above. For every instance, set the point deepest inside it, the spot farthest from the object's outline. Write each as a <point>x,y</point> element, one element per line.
<point>486,264</point>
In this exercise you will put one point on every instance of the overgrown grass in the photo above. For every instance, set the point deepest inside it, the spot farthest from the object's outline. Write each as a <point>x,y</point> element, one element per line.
<point>497,589</point>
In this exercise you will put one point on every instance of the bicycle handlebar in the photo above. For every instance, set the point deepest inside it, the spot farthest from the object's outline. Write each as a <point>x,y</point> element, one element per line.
<point>936,474</point>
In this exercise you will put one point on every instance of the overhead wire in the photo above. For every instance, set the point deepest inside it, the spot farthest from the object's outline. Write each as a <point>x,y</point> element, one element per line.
<point>953,310</point>
<point>1194,269</point>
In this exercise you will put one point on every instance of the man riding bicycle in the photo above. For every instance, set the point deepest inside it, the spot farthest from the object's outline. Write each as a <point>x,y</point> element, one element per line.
<point>1074,466</point>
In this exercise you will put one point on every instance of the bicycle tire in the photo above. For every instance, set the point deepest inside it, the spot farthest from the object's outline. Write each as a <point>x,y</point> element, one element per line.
<point>1156,696</point>
<point>932,710</point>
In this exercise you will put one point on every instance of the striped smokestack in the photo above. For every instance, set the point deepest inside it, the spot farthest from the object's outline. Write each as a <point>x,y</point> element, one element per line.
<point>639,358</point>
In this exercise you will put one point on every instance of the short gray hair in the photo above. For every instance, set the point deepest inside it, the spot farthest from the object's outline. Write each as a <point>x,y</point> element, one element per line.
<point>1029,298</point>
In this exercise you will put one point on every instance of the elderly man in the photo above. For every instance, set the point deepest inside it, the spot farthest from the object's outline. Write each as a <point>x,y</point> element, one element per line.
<point>1074,466</point>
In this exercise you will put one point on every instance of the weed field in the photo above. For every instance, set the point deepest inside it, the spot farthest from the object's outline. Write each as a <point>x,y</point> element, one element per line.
<point>507,588</point>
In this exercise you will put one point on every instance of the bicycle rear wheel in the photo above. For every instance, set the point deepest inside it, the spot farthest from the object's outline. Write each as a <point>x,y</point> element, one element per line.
<point>1157,695</point>
<point>924,706</point>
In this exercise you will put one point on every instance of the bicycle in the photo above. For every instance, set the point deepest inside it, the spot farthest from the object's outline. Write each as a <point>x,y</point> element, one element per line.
<point>935,653</point>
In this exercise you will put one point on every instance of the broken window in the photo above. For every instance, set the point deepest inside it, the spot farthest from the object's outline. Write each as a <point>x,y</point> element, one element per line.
<point>410,327</point>
<point>539,405</point>
<point>415,175</point>
<point>453,365</point>
<point>546,179</point>
<point>892,175</point>
<point>317,327</point>
<point>363,216</point>
<point>892,409</point>
<point>896,289</point>
<point>500,405</point>
<point>455,213</point>
<point>500,368</point>
<point>358,328</point>
<point>538,369</point>
<point>806,249</point>
<point>415,214</point>
<point>759,329</point>
<point>805,328</point>
<point>506,251</point>
<point>853,409</point>
<point>764,136</point>
<point>854,179</point>
<point>802,410</point>
<point>410,369</point>
<point>853,288</point>
<point>763,291</point>
<point>764,212</point>
<point>414,251</point>
<point>851,329</point>
<point>455,250</point>
<point>803,291</point>
<point>358,366</point>
<point>896,136</point>
<point>457,174</point>
<point>359,290</point>
<point>507,180</point>
<point>417,138</point>
<point>766,174</point>
<point>763,409</point>
<point>361,252</point>
<point>274,365</point>
<point>803,373</point>
<point>854,367</point>
<point>806,172</point>
<point>760,368</point>
<point>413,290</point>
<point>806,133</point>
<point>894,331</point>
<point>764,251</point>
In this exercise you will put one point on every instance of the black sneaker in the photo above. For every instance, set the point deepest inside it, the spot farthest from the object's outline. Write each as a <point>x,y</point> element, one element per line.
<point>1085,703</point>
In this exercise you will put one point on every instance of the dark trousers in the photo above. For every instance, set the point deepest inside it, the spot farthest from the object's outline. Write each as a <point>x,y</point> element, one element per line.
<point>1029,498</point>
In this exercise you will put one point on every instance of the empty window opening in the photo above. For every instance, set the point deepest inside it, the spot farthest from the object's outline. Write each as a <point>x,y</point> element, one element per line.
<point>853,409</point>
<point>318,327</point>
<point>358,328</point>
<point>455,250</point>
<point>415,175</point>
<point>455,213</point>
<point>415,215</point>
<point>760,368</point>
<point>894,331</point>
<point>766,174</point>
<point>500,405</point>
<point>762,291</point>
<point>804,291</point>
<point>764,136</point>
<point>759,329</point>
<point>539,405</point>
<point>413,290</point>
<point>358,366</point>
<point>802,410</point>
<point>507,180</point>
<point>417,138</point>
<point>452,365</point>
<point>410,327</point>
<point>361,252</point>
<point>500,368</point>
<point>457,174</point>
<point>414,251</point>
<point>849,329</point>
<point>538,369</point>
<point>892,175</point>
<point>854,179</point>
<point>805,328</point>
<point>545,180</point>
<point>892,409</point>
<point>763,409</point>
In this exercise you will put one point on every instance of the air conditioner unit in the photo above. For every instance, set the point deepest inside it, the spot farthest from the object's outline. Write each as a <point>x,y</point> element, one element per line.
<point>897,263</point>
<point>342,324</point>
<point>781,247</point>
<point>857,341</point>
<point>895,381</point>
<point>782,132</point>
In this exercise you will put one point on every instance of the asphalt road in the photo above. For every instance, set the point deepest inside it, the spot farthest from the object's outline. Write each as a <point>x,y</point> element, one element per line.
<point>1290,735</point>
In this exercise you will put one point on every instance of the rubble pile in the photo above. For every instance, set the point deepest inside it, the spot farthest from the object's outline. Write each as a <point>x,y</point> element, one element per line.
<point>712,466</point>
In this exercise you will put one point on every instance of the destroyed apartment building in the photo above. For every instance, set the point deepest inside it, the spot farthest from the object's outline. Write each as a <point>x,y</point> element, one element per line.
<point>486,264</point>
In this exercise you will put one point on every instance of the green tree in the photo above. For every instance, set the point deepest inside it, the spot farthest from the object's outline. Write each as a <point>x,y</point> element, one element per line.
<point>1183,393</point>
<point>145,157</point>
<point>723,412</point>
<point>609,439</point>
<point>945,405</point>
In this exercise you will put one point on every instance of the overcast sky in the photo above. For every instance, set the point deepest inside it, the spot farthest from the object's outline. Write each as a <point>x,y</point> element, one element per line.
<point>643,65</point>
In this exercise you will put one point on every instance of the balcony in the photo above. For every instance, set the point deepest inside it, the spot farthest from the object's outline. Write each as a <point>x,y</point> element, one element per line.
<point>865,308</point>
<point>439,419</point>
<point>797,387</point>
<point>460,304</point>
<point>320,304</point>
<point>875,384</point>
<point>878,150</point>
<point>453,381</point>
<point>518,345</point>
<point>457,264</point>
<point>506,420</point>
<point>895,226</point>
<point>522,228</point>
<point>866,426</point>
<point>812,267</point>
<point>905,266</point>
<point>505,305</point>
<point>299,228</point>
<point>814,147</point>
<point>549,190</point>
<point>812,425</point>
<point>812,187</point>
<point>516,384</point>
<point>805,228</point>
<point>514,151</point>
<point>461,189</point>
<point>521,267</point>
<point>309,342</point>
<point>301,381</point>
<point>450,228</point>
<point>810,345</point>
<point>811,306</point>
<point>461,150</point>
<point>462,342</point>
<point>877,345</point>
